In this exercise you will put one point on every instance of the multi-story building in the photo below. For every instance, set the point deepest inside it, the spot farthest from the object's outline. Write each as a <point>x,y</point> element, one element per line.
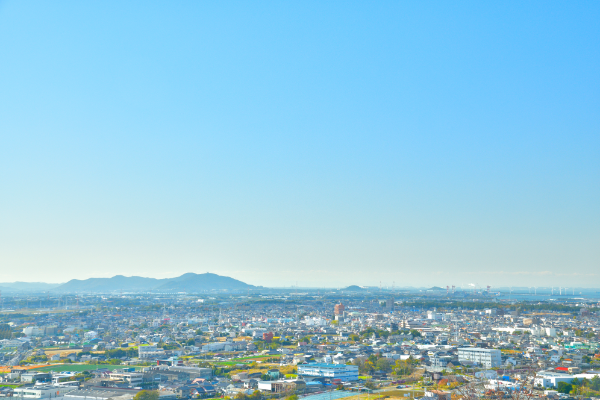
<point>489,358</point>
<point>133,378</point>
<point>33,331</point>
<point>150,352</point>
<point>389,304</point>
<point>435,315</point>
<point>339,309</point>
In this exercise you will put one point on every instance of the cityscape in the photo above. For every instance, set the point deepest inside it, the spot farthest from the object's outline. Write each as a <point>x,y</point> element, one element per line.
<point>241,341</point>
<point>299,200</point>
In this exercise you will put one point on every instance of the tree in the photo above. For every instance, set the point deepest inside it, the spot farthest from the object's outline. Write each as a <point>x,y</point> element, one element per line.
<point>403,367</point>
<point>5,331</point>
<point>383,364</point>
<point>256,395</point>
<point>368,367</point>
<point>575,382</point>
<point>370,385</point>
<point>305,339</point>
<point>146,395</point>
<point>564,387</point>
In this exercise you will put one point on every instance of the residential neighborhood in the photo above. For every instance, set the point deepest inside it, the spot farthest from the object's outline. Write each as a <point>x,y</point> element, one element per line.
<point>279,344</point>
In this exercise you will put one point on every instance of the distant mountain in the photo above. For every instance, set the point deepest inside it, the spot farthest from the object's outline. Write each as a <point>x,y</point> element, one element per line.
<point>189,282</point>
<point>437,288</point>
<point>193,282</point>
<point>27,286</point>
<point>353,288</point>
<point>118,282</point>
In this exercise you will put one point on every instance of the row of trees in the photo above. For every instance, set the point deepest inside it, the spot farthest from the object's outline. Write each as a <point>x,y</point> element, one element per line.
<point>5,331</point>
<point>367,366</point>
<point>118,353</point>
<point>449,304</point>
<point>584,386</point>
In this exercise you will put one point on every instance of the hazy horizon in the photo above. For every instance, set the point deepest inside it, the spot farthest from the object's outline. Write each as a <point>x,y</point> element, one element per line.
<point>392,286</point>
<point>309,143</point>
<point>385,285</point>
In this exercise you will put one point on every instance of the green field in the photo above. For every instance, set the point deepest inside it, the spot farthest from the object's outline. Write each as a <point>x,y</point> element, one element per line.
<point>78,367</point>
<point>253,357</point>
<point>228,362</point>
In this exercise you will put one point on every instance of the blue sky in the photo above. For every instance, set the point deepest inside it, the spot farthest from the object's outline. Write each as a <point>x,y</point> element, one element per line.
<point>324,143</point>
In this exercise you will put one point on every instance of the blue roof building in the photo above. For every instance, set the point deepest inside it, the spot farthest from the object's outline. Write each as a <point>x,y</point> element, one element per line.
<point>346,373</point>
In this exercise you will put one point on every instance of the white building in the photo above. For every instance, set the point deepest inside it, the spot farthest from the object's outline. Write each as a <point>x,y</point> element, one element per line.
<point>42,392</point>
<point>150,352</point>
<point>317,321</point>
<point>551,379</point>
<point>489,374</point>
<point>33,331</point>
<point>489,358</point>
<point>498,384</point>
<point>435,315</point>
<point>347,373</point>
<point>133,378</point>
<point>551,332</point>
<point>90,335</point>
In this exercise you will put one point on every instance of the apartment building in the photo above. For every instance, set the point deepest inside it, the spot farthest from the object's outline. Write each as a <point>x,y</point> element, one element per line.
<point>489,358</point>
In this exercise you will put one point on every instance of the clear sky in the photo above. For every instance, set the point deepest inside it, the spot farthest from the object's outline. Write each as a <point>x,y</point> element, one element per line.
<point>324,143</point>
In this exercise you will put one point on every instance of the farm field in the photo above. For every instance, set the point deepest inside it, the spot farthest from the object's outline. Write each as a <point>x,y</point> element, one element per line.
<point>250,358</point>
<point>6,369</point>
<point>62,352</point>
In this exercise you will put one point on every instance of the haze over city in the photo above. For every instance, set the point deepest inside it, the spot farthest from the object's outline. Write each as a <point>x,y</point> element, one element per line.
<point>299,200</point>
<point>301,144</point>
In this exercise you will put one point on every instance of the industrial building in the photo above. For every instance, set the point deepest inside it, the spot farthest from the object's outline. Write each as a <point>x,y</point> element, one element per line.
<point>346,373</point>
<point>42,392</point>
<point>551,379</point>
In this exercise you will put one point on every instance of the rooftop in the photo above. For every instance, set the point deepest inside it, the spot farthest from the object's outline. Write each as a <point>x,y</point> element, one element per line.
<point>324,365</point>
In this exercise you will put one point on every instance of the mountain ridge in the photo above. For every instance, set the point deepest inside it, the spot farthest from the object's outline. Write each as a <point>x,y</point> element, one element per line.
<point>27,286</point>
<point>188,282</point>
